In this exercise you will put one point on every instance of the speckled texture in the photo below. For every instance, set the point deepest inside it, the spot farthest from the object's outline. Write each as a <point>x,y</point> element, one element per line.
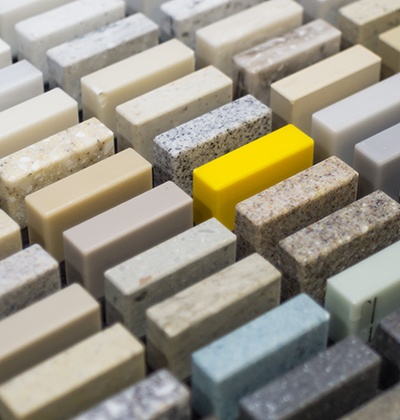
<point>266,218</point>
<point>10,236</point>
<point>257,68</point>
<point>179,151</point>
<point>154,275</point>
<point>26,277</point>
<point>50,160</point>
<point>326,387</point>
<point>159,397</point>
<point>256,353</point>
<point>312,255</point>
<point>70,61</point>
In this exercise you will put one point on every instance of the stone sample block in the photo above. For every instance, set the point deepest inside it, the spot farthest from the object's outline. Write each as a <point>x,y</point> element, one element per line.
<point>141,119</point>
<point>82,195</point>
<point>257,68</point>
<point>5,54</point>
<point>105,89</point>
<point>44,115</point>
<point>70,61</point>
<point>329,385</point>
<point>45,30</point>
<point>58,156</point>
<point>189,320</point>
<point>357,301</point>
<point>163,270</point>
<point>91,370</point>
<point>26,277</point>
<point>264,219</point>
<point>256,353</point>
<point>177,152</point>
<point>159,396</point>
<point>327,247</point>
<point>217,43</point>
<point>222,183</point>
<point>106,240</point>
<point>10,236</point>
<point>323,9</point>
<point>337,128</point>
<point>389,49</point>
<point>46,328</point>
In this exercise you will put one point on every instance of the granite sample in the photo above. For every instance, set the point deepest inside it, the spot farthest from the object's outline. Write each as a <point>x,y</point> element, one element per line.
<point>177,152</point>
<point>158,397</point>
<point>189,320</point>
<point>264,219</point>
<point>329,385</point>
<point>70,61</point>
<point>10,236</point>
<point>256,353</point>
<point>26,277</point>
<point>389,49</point>
<point>143,118</point>
<point>258,67</point>
<point>5,54</point>
<point>47,161</point>
<point>323,9</point>
<point>165,269</point>
<point>327,247</point>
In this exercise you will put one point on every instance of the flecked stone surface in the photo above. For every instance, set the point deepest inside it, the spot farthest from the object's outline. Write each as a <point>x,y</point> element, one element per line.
<point>331,384</point>
<point>177,152</point>
<point>192,319</point>
<point>10,236</point>
<point>266,218</point>
<point>26,277</point>
<point>158,397</point>
<point>327,247</point>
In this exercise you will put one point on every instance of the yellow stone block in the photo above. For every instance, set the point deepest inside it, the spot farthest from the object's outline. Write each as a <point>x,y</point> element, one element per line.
<point>222,183</point>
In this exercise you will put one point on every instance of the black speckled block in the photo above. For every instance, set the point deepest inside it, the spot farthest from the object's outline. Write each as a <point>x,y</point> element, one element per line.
<point>331,384</point>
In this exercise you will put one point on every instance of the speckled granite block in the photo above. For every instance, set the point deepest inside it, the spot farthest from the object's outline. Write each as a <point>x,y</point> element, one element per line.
<point>154,275</point>
<point>327,247</point>
<point>26,277</point>
<point>264,219</point>
<point>50,160</point>
<point>329,385</point>
<point>159,397</point>
<point>257,68</point>
<point>5,54</point>
<point>256,353</point>
<point>179,151</point>
<point>70,61</point>
<point>10,236</point>
<point>189,320</point>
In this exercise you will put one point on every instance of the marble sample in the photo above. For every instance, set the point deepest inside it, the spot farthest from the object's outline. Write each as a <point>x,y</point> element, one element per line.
<point>389,49</point>
<point>357,301</point>
<point>189,320</point>
<point>82,195</point>
<point>329,385</point>
<point>217,43</point>
<point>222,183</point>
<point>45,328</point>
<point>296,97</point>
<point>10,236</point>
<point>256,353</point>
<point>377,160</point>
<point>44,115</point>
<point>5,53</point>
<point>18,83</point>
<point>26,277</point>
<point>337,128</point>
<point>70,61</point>
<point>177,152</point>
<point>106,240</point>
<point>325,248</point>
<point>264,219</point>
<point>362,21</point>
<point>40,164</point>
<point>91,370</point>
<point>141,119</point>
<point>158,397</point>
<point>323,9</point>
<point>257,68</point>
<point>43,31</point>
<point>105,89</point>
<point>158,273</point>
<point>182,18</point>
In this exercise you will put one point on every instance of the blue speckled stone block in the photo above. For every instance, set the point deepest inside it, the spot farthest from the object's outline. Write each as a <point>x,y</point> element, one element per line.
<point>254,354</point>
